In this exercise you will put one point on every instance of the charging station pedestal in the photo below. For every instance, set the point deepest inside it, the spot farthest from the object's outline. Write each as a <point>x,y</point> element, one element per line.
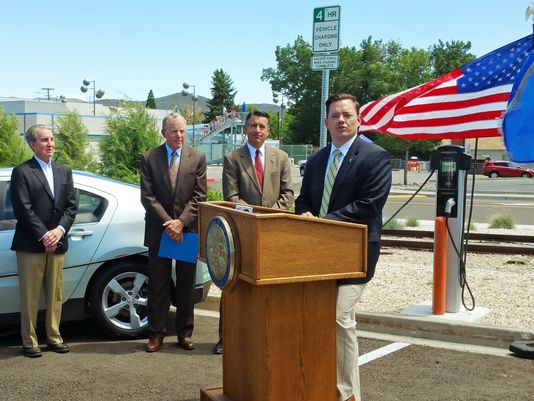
<point>452,164</point>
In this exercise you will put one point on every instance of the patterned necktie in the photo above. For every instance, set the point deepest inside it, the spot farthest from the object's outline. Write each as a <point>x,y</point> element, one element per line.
<point>329,182</point>
<point>173,169</point>
<point>258,168</point>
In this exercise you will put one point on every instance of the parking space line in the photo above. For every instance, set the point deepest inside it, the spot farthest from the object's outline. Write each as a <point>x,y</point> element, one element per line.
<point>208,313</point>
<point>380,352</point>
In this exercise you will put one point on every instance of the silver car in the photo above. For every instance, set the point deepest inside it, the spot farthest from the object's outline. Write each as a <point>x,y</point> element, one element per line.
<point>105,273</point>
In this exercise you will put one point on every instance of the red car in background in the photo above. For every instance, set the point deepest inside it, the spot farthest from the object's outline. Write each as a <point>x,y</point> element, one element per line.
<point>494,169</point>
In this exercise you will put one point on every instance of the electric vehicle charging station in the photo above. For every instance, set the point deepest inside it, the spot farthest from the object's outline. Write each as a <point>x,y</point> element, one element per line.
<point>452,164</point>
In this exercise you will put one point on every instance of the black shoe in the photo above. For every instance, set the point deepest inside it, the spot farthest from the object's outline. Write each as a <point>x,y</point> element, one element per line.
<point>60,348</point>
<point>218,349</point>
<point>31,352</point>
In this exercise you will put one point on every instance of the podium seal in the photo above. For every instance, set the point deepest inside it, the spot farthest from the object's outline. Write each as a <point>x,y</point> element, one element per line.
<point>220,252</point>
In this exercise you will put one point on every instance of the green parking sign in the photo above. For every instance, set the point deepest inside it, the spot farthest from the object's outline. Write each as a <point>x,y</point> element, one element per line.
<point>326,29</point>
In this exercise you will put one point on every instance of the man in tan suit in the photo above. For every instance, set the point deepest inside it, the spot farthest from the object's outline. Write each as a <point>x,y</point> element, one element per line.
<point>173,181</point>
<point>256,174</point>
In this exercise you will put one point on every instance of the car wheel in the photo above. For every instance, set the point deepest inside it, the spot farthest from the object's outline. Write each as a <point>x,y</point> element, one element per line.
<point>526,175</point>
<point>118,300</point>
<point>302,171</point>
<point>494,174</point>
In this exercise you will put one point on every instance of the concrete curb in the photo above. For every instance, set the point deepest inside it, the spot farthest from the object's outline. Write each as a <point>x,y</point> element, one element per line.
<point>453,331</point>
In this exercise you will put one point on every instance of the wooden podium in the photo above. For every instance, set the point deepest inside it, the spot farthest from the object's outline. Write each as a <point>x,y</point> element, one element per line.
<point>279,313</point>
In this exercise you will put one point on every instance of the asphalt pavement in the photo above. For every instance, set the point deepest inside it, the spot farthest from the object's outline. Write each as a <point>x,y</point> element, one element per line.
<point>401,357</point>
<point>393,368</point>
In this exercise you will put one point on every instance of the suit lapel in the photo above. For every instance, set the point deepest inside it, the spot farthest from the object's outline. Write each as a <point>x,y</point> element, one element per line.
<point>163,166</point>
<point>39,174</point>
<point>246,162</point>
<point>185,161</point>
<point>269,165</point>
<point>346,166</point>
<point>57,180</point>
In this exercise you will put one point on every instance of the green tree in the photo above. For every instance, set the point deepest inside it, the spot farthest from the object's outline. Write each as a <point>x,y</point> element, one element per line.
<point>446,57</point>
<point>300,85</point>
<point>373,70</point>
<point>72,143</point>
<point>222,94</point>
<point>132,131</point>
<point>150,101</point>
<point>13,150</point>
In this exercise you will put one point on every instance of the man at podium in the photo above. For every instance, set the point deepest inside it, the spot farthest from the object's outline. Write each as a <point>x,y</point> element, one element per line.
<point>348,180</point>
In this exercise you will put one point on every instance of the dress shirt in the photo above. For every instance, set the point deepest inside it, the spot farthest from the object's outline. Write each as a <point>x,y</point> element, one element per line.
<point>47,170</point>
<point>49,174</point>
<point>252,151</point>
<point>343,149</point>
<point>169,155</point>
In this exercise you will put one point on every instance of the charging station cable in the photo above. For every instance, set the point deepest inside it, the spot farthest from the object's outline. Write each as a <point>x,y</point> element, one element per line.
<point>410,199</point>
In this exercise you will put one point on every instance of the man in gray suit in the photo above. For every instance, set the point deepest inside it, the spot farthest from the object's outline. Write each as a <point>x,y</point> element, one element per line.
<point>173,182</point>
<point>256,174</point>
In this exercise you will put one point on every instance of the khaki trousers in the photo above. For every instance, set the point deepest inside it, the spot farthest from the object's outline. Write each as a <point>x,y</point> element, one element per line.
<point>348,374</point>
<point>36,270</point>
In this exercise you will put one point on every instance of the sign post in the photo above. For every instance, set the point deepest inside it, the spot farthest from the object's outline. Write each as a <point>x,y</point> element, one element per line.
<point>325,46</point>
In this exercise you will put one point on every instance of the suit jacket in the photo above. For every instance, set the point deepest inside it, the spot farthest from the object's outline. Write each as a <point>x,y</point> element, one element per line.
<point>240,183</point>
<point>36,210</point>
<point>359,192</point>
<point>161,203</point>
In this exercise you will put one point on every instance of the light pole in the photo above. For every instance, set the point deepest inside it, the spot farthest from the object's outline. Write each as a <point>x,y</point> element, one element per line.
<point>96,94</point>
<point>194,97</point>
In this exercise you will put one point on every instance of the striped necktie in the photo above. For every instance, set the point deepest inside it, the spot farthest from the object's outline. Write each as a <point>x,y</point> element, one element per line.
<point>329,182</point>
<point>173,169</point>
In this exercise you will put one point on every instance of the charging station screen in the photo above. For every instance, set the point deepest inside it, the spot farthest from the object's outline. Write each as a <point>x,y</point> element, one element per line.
<point>447,173</point>
<point>448,166</point>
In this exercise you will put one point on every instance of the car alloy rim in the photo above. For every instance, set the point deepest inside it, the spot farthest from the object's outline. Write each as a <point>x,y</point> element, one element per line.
<point>124,300</point>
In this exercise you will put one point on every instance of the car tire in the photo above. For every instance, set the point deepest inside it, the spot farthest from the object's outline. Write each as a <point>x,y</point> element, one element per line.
<point>527,175</point>
<point>302,171</point>
<point>494,174</point>
<point>118,300</point>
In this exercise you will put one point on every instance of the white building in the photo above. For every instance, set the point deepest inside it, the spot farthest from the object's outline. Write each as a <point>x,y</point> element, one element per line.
<point>31,112</point>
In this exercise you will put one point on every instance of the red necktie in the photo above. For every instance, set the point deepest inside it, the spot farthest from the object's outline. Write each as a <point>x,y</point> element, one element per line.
<point>258,168</point>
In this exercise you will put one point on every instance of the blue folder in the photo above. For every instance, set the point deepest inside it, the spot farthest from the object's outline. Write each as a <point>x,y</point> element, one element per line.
<point>186,251</point>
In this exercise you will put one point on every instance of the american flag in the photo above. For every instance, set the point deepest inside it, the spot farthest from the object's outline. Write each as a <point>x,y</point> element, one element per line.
<point>468,102</point>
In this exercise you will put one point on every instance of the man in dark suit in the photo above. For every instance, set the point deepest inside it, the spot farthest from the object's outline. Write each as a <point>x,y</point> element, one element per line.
<point>45,205</point>
<point>256,174</point>
<point>173,181</point>
<point>347,181</point>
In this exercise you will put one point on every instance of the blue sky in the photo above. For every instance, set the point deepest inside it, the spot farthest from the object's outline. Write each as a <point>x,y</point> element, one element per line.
<point>131,47</point>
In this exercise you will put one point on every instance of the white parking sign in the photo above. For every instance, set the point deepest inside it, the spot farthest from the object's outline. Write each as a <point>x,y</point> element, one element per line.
<point>326,29</point>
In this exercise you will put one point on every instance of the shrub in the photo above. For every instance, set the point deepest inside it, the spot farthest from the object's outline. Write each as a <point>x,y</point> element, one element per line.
<point>214,195</point>
<point>393,225</point>
<point>502,221</point>
<point>412,222</point>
